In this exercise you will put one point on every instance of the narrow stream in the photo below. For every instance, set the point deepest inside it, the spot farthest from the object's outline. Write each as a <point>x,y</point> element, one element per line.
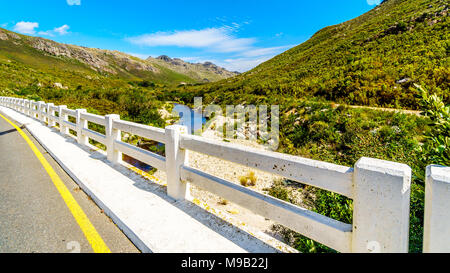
<point>187,120</point>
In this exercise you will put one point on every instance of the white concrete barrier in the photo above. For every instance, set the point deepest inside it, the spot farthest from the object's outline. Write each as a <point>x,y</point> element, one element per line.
<point>381,206</point>
<point>437,210</point>
<point>380,189</point>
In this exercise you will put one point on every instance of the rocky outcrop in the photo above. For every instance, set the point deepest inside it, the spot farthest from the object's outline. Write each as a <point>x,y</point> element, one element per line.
<point>115,62</point>
<point>128,63</point>
<point>216,69</point>
<point>164,58</point>
<point>205,72</point>
<point>97,59</point>
<point>74,52</point>
<point>3,36</point>
<point>7,35</point>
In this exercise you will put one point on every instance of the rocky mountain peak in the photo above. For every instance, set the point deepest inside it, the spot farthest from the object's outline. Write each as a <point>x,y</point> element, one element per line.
<point>164,58</point>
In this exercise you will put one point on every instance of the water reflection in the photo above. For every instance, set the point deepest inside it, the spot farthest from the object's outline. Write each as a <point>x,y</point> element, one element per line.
<point>136,163</point>
<point>190,118</point>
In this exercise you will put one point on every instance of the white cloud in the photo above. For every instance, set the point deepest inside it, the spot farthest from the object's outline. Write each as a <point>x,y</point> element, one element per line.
<point>194,59</point>
<point>31,28</point>
<point>74,2</point>
<point>213,39</point>
<point>373,2</point>
<point>26,27</point>
<point>243,64</point>
<point>241,53</point>
<point>140,56</point>
<point>46,33</point>
<point>62,30</point>
<point>255,52</point>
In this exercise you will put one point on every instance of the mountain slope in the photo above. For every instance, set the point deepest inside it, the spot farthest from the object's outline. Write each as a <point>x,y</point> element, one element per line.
<point>25,60</point>
<point>205,72</point>
<point>371,60</point>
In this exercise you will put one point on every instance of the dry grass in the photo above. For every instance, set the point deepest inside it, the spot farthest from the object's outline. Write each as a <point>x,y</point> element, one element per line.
<point>248,180</point>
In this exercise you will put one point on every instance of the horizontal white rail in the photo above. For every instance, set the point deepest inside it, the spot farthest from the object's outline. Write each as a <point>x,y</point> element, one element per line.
<point>70,125</point>
<point>153,133</point>
<point>320,174</point>
<point>53,118</point>
<point>69,112</point>
<point>54,108</point>
<point>325,230</point>
<point>100,120</point>
<point>152,159</point>
<point>94,135</point>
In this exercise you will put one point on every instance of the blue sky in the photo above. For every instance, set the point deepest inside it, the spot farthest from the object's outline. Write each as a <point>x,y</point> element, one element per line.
<point>235,34</point>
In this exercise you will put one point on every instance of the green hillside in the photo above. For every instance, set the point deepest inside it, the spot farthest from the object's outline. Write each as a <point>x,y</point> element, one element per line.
<point>371,60</point>
<point>26,60</point>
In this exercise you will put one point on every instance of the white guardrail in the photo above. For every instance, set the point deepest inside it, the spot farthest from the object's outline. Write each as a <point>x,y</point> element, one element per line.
<point>380,189</point>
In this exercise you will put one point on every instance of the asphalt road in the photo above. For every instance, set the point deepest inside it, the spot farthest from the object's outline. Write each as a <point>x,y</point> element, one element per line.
<point>33,215</point>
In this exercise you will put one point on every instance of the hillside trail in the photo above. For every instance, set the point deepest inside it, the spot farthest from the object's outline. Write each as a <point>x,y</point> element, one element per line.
<point>403,111</point>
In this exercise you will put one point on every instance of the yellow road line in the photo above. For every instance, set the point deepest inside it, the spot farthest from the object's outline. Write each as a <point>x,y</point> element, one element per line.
<point>97,243</point>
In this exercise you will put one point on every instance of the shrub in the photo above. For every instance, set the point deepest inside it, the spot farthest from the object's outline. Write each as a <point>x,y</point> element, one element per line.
<point>248,180</point>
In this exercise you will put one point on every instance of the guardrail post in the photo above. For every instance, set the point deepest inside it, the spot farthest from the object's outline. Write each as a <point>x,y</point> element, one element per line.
<point>436,233</point>
<point>81,124</point>
<point>112,134</point>
<point>50,114</point>
<point>63,117</point>
<point>175,158</point>
<point>30,108</point>
<point>25,107</point>
<point>44,112</point>
<point>380,206</point>
<point>40,111</point>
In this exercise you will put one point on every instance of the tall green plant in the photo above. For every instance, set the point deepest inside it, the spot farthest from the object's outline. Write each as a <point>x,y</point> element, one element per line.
<point>436,149</point>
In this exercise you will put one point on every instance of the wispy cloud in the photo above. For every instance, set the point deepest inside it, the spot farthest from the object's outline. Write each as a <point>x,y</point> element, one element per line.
<point>256,52</point>
<point>74,2</point>
<point>62,30</point>
<point>213,39</point>
<point>26,27</point>
<point>373,2</point>
<point>231,51</point>
<point>243,64</point>
<point>30,28</point>
<point>139,55</point>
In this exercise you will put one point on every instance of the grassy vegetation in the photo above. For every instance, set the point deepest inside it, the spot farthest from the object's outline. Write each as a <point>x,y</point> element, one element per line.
<point>371,60</point>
